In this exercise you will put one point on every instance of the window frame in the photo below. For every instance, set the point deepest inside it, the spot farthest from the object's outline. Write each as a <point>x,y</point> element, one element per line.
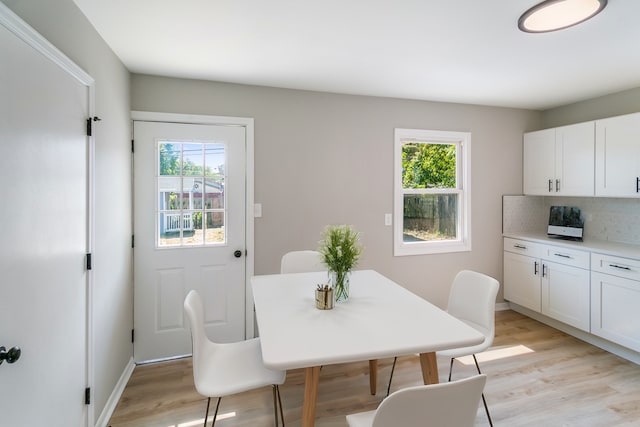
<point>462,140</point>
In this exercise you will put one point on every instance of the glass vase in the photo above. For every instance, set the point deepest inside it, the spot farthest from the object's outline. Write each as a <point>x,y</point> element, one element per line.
<point>340,284</point>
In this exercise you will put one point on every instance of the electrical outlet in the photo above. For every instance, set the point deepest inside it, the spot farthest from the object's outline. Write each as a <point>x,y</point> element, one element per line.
<point>388,219</point>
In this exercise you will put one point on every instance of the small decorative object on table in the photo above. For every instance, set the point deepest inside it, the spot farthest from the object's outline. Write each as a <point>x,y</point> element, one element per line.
<point>340,251</point>
<point>324,297</point>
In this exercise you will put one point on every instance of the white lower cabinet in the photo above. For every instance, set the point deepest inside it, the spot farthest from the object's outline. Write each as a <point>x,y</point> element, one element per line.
<point>548,279</point>
<point>522,280</point>
<point>615,299</point>
<point>522,273</point>
<point>565,294</point>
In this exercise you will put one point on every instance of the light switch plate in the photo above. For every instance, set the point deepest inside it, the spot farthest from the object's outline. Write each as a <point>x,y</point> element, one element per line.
<point>257,210</point>
<point>388,219</point>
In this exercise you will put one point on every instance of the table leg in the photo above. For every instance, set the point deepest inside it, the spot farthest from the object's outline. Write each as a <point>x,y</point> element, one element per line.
<point>373,376</point>
<point>429,366</point>
<point>311,379</point>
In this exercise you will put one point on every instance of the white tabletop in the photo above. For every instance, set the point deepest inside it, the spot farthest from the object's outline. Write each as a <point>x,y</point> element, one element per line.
<point>380,319</point>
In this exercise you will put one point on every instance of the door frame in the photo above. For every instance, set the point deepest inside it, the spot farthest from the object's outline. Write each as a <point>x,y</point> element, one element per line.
<point>36,41</point>
<point>247,123</point>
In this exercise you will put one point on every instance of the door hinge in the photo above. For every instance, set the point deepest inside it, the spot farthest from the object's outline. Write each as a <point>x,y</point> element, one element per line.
<point>87,396</point>
<point>133,241</point>
<point>90,121</point>
<point>88,261</point>
<point>132,150</point>
<point>133,335</point>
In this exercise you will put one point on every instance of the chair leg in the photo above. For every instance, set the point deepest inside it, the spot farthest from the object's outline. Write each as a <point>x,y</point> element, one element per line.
<point>277,401</point>
<point>484,401</point>
<point>275,404</point>
<point>280,404</point>
<point>206,414</point>
<point>213,423</point>
<point>450,368</point>
<point>393,367</point>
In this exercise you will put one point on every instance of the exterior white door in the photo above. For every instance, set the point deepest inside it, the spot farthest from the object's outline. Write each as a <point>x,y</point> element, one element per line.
<point>189,222</point>
<point>45,233</point>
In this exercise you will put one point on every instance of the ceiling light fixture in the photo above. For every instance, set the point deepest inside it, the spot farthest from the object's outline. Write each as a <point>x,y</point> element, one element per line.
<point>552,15</point>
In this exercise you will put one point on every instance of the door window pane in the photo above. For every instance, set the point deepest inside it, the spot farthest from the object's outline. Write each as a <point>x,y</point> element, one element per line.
<point>192,160</point>
<point>169,159</point>
<point>215,227</point>
<point>190,191</point>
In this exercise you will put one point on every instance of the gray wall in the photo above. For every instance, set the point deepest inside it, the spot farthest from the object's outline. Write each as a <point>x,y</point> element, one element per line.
<point>615,104</point>
<point>328,159</point>
<point>63,24</point>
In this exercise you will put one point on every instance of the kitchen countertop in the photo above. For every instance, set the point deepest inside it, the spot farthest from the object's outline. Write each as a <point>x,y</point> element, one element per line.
<point>601,246</point>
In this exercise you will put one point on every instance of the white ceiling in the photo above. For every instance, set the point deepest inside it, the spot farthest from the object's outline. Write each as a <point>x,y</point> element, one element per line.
<point>467,51</point>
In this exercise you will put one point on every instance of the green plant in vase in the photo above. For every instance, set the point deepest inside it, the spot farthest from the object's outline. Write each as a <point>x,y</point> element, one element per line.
<point>340,249</point>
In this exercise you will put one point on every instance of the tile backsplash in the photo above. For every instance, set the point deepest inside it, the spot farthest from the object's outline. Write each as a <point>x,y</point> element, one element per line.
<point>616,220</point>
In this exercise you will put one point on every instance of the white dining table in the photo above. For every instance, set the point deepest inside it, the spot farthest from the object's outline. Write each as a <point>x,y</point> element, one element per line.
<point>380,319</point>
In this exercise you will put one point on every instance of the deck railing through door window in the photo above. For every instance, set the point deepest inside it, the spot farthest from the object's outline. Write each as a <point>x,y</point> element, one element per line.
<point>172,222</point>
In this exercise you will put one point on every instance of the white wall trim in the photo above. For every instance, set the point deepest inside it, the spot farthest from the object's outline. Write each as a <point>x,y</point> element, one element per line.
<point>247,123</point>
<point>116,394</point>
<point>29,35</point>
<point>502,306</point>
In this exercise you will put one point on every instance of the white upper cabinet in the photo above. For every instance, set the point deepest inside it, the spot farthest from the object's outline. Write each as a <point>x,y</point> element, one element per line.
<point>617,165</point>
<point>560,161</point>
<point>539,162</point>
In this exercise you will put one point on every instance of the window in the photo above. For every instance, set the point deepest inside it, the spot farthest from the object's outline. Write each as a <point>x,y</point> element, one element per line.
<point>431,201</point>
<point>191,197</point>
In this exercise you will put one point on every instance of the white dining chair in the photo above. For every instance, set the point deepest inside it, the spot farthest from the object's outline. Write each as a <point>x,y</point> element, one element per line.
<point>472,299</point>
<point>223,369</point>
<point>302,262</point>
<point>452,404</point>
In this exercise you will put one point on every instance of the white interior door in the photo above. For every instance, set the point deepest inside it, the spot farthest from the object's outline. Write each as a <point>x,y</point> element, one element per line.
<point>44,217</point>
<point>189,222</point>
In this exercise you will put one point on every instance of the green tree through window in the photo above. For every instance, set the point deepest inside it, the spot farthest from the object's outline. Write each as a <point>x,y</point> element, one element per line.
<point>428,165</point>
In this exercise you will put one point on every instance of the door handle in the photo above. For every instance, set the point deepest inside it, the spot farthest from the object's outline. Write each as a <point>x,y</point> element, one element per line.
<point>237,253</point>
<point>550,185</point>
<point>10,356</point>
<point>557,185</point>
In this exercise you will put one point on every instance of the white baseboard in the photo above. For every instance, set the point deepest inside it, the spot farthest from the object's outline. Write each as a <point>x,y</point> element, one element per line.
<point>111,404</point>
<point>609,346</point>
<point>501,306</point>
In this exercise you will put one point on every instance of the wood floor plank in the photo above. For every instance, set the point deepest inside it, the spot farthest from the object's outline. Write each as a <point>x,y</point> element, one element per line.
<point>560,381</point>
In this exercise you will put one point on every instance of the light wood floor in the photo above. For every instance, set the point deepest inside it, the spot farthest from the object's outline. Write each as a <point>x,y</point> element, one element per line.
<point>562,381</point>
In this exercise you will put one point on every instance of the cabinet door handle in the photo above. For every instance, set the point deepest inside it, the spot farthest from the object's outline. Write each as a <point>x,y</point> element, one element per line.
<point>535,268</point>
<point>557,185</point>
<point>638,184</point>
<point>517,246</point>
<point>544,266</point>
<point>563,256</point>
<point>550,185</point>
<point>621,267</point>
